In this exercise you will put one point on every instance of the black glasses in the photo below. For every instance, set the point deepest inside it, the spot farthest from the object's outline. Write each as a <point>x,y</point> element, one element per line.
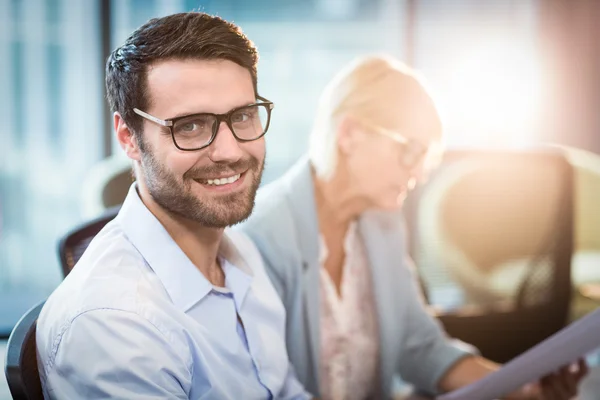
<point>197,131</point>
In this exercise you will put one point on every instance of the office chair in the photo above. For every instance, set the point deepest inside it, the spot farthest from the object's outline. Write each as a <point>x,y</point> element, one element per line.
<point>500,224</point>
<point>106,185</point>
<point>586,260</point>
<point>21,368</point>
<point>586,256</point>
<point>73,244</point>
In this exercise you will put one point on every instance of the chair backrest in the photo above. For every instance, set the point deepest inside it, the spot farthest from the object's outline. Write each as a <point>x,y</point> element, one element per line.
<point>586,166</point>
<point>21,367</point>
<point>73,244</point>
<point>106,185</point>
<point>500,224</point>
<point>501,209</point>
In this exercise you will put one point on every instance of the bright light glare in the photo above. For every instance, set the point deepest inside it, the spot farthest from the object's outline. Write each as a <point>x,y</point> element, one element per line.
<point>493,93</point>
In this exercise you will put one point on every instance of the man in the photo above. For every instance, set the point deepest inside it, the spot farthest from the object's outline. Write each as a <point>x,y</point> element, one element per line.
<point>165,303</point>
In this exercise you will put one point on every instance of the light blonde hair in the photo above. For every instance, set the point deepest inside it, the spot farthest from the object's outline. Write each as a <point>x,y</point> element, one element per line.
<point>378,90</point>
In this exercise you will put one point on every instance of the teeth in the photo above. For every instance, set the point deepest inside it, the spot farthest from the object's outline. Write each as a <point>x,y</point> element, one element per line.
<point>223,181</point>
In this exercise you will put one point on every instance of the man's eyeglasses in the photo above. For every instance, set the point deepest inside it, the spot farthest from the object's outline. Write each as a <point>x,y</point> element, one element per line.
<point>412,151</point>
<point>197,131</point>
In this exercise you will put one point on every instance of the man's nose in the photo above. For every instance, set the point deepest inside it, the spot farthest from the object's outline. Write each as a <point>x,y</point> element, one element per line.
<point>225,148</point>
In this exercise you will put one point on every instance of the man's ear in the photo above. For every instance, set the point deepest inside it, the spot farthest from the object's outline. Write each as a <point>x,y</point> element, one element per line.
<point>348,134</point>
<point>126,138</point>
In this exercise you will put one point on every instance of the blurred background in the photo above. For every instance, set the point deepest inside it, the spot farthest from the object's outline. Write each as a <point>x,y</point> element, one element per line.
<point>509,76</point>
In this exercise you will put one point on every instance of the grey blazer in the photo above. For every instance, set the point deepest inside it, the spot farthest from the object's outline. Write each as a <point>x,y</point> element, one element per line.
<point>284,227</point>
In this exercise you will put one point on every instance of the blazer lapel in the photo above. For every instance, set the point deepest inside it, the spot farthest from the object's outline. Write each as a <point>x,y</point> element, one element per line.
<point>305,216</point>
<point>385,260</point>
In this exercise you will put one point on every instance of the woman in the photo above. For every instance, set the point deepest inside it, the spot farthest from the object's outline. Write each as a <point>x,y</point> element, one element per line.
<point>333,241</point>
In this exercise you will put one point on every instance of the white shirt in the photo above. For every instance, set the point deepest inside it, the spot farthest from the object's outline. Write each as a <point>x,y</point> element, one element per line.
<point>136,319</point>
<point>349,336</point>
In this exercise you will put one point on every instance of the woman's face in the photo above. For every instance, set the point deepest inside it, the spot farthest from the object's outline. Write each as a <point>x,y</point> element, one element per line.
<point>384,165</point>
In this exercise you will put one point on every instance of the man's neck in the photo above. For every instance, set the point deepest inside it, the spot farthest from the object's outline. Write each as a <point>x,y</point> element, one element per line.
<point>199,243</point>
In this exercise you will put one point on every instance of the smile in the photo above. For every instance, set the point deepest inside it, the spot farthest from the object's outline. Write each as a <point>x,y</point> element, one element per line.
<point>222,181</point>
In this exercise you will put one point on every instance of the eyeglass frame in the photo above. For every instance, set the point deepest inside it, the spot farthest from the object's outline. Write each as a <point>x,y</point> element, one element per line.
<point>401,139</point>
<point>170,122</point>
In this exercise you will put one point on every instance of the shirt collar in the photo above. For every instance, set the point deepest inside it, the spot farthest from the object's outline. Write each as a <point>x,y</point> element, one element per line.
<point>238,274</point>
<point>237,281</point>
<point>184,283</point>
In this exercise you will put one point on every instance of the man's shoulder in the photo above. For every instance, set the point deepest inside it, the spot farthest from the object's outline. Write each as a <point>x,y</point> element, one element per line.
<point>111,274</point>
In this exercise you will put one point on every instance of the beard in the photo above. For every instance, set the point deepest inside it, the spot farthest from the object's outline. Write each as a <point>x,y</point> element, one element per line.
<point>217,211</point>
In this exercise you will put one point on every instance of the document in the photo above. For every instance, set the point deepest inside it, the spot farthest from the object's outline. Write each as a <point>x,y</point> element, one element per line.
<point>564,347</point>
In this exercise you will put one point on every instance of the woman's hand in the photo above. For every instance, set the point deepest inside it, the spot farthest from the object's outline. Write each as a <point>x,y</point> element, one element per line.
<point>561,385</point>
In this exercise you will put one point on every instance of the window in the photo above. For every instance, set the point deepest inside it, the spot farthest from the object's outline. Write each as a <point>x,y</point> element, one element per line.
<point>49,137</point>
<point>482,60</point>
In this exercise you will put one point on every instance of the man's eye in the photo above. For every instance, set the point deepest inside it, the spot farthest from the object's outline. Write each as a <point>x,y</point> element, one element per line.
<point>189,127</point>
<point>241,117</point>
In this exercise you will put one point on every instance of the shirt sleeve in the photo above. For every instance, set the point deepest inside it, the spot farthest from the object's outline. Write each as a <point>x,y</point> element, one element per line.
<point>292,388</point>
<point>428,352</point>
<point>115,354</point>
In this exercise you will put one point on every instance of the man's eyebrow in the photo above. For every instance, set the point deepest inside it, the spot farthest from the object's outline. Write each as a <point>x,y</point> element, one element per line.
<point>187,114</point>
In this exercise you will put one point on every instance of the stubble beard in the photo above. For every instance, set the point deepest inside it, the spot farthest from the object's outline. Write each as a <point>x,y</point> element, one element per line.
<point>219,211</point>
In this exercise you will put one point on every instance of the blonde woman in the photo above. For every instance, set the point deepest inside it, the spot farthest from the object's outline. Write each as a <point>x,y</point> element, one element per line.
<point>333,241</point>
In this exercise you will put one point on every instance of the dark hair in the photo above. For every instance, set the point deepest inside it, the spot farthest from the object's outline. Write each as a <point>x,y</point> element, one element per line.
<point>192,35</point>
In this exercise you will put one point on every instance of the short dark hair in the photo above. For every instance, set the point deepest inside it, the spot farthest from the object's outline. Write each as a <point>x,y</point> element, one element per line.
<point>191,35</point>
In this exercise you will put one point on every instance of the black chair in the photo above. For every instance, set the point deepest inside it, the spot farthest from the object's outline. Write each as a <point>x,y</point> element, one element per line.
<point>21,359</point>
<point>74,243</point>
<point>486,212</point>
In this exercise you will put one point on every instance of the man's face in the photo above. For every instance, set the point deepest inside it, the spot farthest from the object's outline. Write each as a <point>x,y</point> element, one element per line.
<point>214,186</point>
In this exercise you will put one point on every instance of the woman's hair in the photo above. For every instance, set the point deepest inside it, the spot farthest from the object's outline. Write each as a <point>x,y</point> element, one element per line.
<point>377,90</point>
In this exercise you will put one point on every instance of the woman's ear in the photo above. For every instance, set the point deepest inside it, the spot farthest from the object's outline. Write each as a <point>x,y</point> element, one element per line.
<point>349,135</point>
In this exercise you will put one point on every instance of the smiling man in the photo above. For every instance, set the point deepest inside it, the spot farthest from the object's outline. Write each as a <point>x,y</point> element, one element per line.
<point>166,303</point>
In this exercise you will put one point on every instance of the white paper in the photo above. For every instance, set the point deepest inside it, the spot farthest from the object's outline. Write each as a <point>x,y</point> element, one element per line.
<point>564,347</point>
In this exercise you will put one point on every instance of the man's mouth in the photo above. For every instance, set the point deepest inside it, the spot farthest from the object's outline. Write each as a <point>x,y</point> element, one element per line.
<point>220,181</point>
